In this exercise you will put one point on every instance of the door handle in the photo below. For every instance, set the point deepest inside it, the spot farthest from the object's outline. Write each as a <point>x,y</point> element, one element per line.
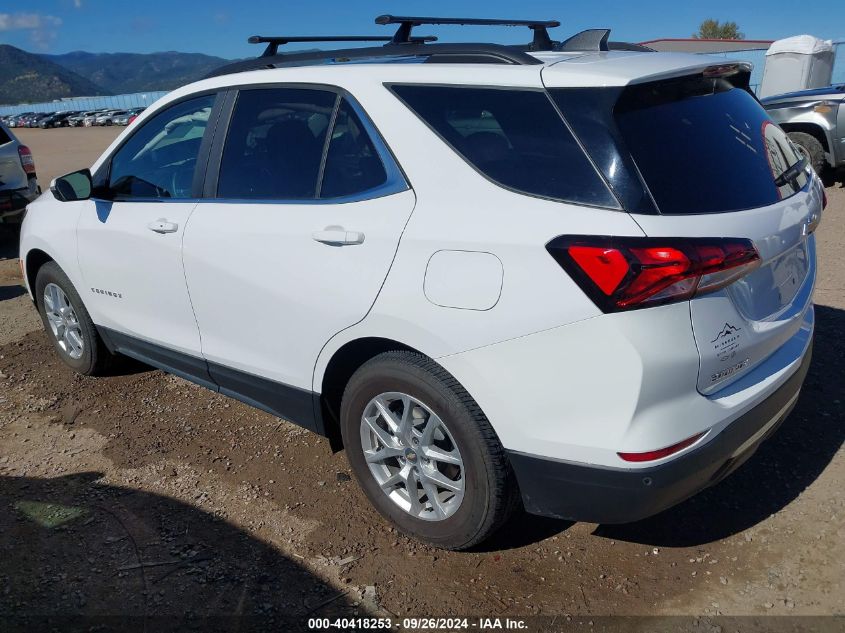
<point>338,236</point>
<point>163,226</point>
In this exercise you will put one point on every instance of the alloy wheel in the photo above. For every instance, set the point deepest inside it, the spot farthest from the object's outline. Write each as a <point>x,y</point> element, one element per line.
<point>412,456</point>
<point>63,321</point>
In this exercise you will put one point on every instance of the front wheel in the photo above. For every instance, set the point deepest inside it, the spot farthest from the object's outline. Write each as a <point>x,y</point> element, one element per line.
<point>812,148</point>
<point>68,324</point>
<point>424,452</point>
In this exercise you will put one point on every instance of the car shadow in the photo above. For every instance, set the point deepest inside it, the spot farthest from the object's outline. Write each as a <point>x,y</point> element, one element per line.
<point>783,467</point>
<point>9,241</point>
<point>520,530</point>
<point>834,178</point>
<point>80,554</point>
<point>11,292</point>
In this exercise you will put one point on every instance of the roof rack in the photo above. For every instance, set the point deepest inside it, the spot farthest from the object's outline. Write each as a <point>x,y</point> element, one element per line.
<point>403,47</point>
<point>454,53</point>
<point>541,40</point>
<point>275,41</point>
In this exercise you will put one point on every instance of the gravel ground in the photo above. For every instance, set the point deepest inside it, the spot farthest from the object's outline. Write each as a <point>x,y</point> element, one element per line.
<point>144,494</point>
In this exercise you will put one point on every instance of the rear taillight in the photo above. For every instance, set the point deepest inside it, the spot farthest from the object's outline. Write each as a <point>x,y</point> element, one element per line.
<point>620,273</point>
<point>27,162</point>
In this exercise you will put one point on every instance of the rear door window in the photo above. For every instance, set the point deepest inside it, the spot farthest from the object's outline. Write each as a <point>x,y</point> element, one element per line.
<point>516,138</point>
<point>275,144</point>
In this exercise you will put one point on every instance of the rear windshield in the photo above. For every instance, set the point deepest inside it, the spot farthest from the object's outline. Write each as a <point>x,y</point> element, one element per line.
<point>516,138</point>
<point>4,138</point>
<point>701,145</point>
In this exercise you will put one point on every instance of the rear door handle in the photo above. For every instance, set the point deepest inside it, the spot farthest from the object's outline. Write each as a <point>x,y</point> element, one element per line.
<point>163,226</point>
<point>338,236</point>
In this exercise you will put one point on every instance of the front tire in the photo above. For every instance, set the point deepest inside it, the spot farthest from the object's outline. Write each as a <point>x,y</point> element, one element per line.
<point>68,324</point>
<point>812,148</point>
<point>424,453</point>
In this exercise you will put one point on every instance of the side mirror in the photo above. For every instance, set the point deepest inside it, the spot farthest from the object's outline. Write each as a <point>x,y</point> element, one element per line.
<point>74,186</point>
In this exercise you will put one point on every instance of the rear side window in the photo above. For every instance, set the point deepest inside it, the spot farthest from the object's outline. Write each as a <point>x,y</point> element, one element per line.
<point>704,146</point>
<point>515,138</point>
<point>352,164</point>
<point>274,148</point>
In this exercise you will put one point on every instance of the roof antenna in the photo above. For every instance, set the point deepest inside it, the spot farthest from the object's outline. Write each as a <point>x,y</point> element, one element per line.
<point>589,40</point>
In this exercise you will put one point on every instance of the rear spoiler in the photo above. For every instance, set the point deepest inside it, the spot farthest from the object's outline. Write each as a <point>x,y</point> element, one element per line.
<point>627,70</point>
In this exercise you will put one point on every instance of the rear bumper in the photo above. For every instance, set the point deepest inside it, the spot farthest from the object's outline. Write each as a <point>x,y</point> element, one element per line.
<point>610,495</point>
<point>13,204</point>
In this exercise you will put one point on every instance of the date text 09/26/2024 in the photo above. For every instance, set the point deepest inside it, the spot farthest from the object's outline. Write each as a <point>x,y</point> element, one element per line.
<point>430,624</point>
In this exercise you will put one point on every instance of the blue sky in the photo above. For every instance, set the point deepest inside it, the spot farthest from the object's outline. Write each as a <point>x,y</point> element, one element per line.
<point>221,27</point>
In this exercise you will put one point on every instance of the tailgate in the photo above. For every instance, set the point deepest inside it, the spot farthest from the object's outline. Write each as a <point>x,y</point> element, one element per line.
<point>696,156</point>
<point>740,326</point>
<point>12,175</point>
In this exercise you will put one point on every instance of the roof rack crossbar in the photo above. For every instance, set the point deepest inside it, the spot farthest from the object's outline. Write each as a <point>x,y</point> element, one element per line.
<point>541,41</point>
<point>273,42</point>
<point>465,53</point>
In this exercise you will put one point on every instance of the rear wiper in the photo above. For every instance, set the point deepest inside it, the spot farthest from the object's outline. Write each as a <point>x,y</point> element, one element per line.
<point>791,174</point>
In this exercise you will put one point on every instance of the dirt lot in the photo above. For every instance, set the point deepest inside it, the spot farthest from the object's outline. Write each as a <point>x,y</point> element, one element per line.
<point>142,494</point>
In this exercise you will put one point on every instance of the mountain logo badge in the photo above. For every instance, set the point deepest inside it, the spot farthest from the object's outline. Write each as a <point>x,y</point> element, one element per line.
<point>727,341</point>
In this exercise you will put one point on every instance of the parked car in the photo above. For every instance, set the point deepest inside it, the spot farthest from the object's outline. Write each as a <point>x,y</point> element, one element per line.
<point>29,120</point>
<point>126,117</point>
<point>107,117</point>
<point>76,120</point>
<point>134,116</point>
<point>63,120</point>
<point>91,118</point>
<point>488,279</point>
<point>45,121</point>
<point>815,121</point>
<point>21,119</point>
<point>18,180</point>
<point>56,119</point>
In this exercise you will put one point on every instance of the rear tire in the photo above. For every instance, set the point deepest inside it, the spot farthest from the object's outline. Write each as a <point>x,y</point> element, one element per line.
<point>488,490</point>
<point>68,324</point>
<point>812,148</point>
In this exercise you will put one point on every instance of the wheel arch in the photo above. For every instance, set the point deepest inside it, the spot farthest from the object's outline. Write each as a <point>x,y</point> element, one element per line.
<point>344,362</point>
<point>813,129</point>
<point>33,261</point>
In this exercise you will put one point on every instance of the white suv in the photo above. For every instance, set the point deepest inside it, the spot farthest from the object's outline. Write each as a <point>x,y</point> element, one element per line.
<point>565,276</point>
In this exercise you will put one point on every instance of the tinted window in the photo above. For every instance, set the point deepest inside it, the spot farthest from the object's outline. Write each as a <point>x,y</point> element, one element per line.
<point>352,163</point>
<point>704,146</point>
<point>159,160</point>
<point>4,138</point>
<point>514,137</point>
<point>275,144</point>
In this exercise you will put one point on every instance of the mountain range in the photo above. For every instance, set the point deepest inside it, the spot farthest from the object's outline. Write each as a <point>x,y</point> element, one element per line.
<point>25,77</point>
<point>29,78</point>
